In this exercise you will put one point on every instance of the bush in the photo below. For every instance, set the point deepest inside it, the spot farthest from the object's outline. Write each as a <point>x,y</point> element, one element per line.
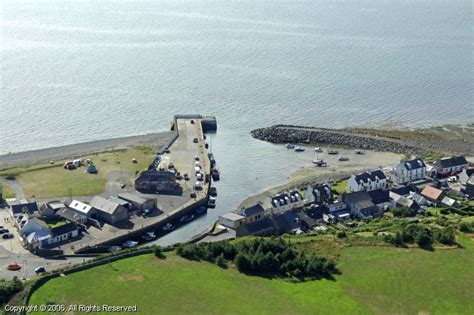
<point>9,288</point>
<point>341,234</point>
<point>220,261</point>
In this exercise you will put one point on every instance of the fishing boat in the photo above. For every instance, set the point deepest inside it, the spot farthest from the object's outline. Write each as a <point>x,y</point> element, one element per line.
<point>290,146</point>
<point>299,149</point>
<point>215,174</point>
<point>212,202</point>
<point>333,152</point>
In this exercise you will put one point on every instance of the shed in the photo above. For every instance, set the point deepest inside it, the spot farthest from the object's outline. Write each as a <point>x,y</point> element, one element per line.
<point>109,211</point>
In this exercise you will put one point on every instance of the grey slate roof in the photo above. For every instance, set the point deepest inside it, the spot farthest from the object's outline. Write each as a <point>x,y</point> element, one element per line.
<point>252,210</point>
<point>379,196</point>
<point>451,162</point>
<point>30,208</point>
<point>372,175</point>
<point>63,229</point>
<point>414,164</point>
<point>261,226</point>
<point>70,215</point>
<point>358,196</point>
<point>287,221</point>
<point>104,205</point>
<point>401,190</point>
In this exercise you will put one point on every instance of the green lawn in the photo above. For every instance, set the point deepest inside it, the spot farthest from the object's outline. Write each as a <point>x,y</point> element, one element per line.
<point>6,191</point>
<point>341,186</point>
<point>46,180</point>
<point>374,280</point>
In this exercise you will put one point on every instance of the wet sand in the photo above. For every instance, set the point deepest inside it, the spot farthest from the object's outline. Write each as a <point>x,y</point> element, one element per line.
<point>72,151</point>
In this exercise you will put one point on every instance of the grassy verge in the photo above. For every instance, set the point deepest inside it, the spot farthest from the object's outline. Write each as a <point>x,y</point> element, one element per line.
<point>6,191</point>
<point>45,180</point>
<point>374,280</point>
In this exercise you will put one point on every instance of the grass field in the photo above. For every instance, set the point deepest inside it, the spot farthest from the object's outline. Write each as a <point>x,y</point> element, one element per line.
<point>374,280</point>
<point>46,180</point>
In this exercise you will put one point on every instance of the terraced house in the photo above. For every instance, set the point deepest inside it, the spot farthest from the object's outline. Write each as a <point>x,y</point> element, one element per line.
<point>367,181</point>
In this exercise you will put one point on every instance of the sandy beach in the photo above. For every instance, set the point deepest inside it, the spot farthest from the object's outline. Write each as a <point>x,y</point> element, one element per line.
<point>76,150</point>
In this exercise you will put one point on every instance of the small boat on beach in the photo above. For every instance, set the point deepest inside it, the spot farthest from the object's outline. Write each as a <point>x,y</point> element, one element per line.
<point>318,149</point>
<point>359,151</point>
<point>299,149</point>
<point>343,158</point>
<point>320,163</point>
<point>333,152</point>
<point>290,146</point>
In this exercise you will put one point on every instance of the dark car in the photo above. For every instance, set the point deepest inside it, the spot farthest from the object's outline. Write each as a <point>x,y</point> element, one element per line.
<point>193,194</point>
<point>195,140</point>
<point>7,236</point>
<point>192,121</point>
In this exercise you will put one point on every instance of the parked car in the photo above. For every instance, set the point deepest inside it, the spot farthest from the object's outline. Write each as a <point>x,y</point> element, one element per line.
<point>7,236</point>
<point>129,244</point>
<point>196,158</point>
<point>114,249</point>
<point>193,194</point>
<point>146,212</point>
<point>186,176</point>
<point>40,269</point>
<point>186,218</point>
<point>195,140</point>
<point>192,121</point>
<point>168,227</point>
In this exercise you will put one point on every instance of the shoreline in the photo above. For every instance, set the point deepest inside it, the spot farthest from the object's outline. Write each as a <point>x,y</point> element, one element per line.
<point>76,150</point>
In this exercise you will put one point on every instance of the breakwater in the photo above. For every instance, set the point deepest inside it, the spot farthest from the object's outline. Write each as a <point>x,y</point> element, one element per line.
<point>308,135</point>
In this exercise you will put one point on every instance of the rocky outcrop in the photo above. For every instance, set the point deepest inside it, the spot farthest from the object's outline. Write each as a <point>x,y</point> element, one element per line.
<point>293,134</point>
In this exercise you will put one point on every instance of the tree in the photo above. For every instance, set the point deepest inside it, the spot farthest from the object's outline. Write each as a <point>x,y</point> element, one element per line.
<point>242,262</point>
<point>423,239</point>
<point>220,261</point>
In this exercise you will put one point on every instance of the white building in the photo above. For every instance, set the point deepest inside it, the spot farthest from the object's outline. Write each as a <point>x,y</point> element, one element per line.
<point>409,171</point>
<point>231,220</point>
<point>82,208</point>
<point>367,181</point>
<point>286,201</point>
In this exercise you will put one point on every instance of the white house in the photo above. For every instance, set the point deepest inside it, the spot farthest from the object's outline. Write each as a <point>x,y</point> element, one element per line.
<point>409,171</point>
<point>43,236</point>
<point>286,201</point>
<point>451,165</point>
<point>367,181</point>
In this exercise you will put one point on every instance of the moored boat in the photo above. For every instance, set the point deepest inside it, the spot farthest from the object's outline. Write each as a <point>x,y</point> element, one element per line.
<point>299,149</point>
<point>290,146</point>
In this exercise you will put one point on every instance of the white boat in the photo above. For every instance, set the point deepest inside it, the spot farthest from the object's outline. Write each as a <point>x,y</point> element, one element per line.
<point>318,149</point>
<point>343,158</point>
<point>299,149</point>
<point>168,227</point>
<point>290,146</point>
<point>359,151</point>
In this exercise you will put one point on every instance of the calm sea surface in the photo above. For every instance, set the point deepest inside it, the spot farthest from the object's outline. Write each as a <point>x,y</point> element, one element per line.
<point>85,70</point>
